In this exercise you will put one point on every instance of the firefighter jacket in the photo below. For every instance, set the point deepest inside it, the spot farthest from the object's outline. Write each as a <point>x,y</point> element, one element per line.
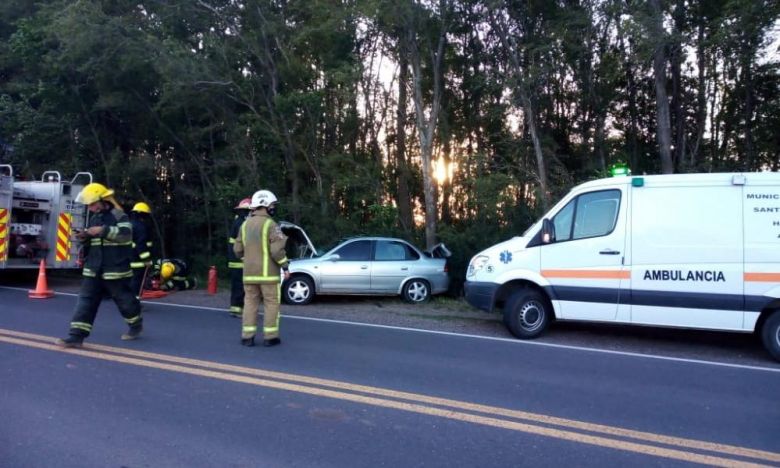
<point>180,278</point>
<point>260,243</point>
<point>233,260</point>
<point>142,245</point>
<point>108,255</point>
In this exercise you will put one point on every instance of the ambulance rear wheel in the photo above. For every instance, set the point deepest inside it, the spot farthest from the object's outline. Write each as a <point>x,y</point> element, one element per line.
<point>770,334</point>
<point>527,313</point>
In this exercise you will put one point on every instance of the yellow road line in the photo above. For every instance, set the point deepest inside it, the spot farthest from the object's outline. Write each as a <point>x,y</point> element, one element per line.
<point>417,408</point>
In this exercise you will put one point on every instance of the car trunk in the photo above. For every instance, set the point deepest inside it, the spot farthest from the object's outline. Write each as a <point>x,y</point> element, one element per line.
<point>438,251</point>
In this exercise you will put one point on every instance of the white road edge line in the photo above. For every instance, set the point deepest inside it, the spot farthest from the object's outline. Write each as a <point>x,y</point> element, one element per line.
<point>465,335</point>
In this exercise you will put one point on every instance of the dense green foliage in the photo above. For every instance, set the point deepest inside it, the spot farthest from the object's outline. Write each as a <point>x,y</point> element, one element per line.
<point>192,105</point>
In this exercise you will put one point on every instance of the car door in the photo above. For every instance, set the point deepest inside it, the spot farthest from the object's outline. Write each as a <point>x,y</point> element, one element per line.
<point>393,262</point>
<point>584,263</point>
<point>348,268</point>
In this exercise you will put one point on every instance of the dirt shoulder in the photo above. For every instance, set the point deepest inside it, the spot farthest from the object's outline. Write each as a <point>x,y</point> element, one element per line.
<point>440,314</point>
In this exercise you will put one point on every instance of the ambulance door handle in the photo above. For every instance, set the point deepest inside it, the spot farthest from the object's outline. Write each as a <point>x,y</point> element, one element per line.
<point>609,252</point>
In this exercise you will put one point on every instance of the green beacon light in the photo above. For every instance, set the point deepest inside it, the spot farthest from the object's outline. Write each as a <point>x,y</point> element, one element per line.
<point>619,169</point>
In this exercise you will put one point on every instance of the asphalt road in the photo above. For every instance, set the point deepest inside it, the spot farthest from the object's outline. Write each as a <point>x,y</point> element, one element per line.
<point>341,394</point>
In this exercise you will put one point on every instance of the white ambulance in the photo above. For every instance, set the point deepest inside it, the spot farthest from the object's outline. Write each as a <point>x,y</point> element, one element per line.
<point>688,250</point>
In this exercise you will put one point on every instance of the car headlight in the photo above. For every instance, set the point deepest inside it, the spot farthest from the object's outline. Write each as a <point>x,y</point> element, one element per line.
<point>477,264</point>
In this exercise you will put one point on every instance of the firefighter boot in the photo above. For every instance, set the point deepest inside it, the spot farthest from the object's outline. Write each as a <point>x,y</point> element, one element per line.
<point>133,333</point>
<point>71,341</point>
<point>272,342</point>
<point>248,341</point>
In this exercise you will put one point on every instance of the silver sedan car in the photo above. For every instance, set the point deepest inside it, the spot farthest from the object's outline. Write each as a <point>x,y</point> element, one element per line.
<point>381,266</point>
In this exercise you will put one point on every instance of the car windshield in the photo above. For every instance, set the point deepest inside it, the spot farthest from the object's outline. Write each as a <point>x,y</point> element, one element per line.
<point>329,247</point>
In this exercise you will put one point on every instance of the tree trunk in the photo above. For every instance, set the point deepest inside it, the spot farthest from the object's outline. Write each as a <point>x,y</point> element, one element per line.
<point>510,46</point>
<point>747,54</point>
<point>701,99</point>
<point>540,165</point>
<point>678,157</point>
<point>426,125</point>
<point>661,98</point>
<point>633,146</point>
<point>404,199</point>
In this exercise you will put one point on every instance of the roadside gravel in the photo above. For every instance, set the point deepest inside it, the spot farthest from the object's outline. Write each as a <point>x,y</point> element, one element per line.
<point>440,314</point>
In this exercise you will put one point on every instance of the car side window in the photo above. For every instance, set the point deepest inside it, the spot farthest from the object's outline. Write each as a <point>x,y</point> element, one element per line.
<point>411,254</point>
<point>356,251</point>
<point>394,251</point>
<point>591,214</point>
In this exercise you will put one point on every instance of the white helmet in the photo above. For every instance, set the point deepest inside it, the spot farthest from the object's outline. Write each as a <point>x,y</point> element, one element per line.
<point>262,198</point>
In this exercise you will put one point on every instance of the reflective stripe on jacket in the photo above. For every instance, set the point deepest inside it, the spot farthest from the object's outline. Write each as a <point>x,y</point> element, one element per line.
<point>108,256</point>
<point>260,242</point>
<point>233,260</point>
<point>141,244</point>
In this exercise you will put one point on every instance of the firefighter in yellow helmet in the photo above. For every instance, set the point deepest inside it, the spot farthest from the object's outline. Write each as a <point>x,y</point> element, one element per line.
<point>174,274</point>
<point>107,242</point>
<point>235,265</point>
<point>142,246</point>
<point>260,243</point>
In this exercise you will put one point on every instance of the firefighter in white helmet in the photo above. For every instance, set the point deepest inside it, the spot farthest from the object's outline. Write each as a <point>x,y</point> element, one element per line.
<point>261,245</point>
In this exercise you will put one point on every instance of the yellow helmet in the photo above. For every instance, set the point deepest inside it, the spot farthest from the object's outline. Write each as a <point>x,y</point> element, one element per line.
<point>92,193</point>
<point>166,270</point>
<point>142,207</point>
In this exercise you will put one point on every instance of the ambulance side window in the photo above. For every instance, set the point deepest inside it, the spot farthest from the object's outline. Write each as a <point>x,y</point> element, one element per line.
<point>591,214</point>
<point>562,221</point>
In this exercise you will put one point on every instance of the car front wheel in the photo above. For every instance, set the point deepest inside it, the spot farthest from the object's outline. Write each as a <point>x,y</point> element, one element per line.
<point>416,291</point>
<point>298,290</point>
<point>527,313</point>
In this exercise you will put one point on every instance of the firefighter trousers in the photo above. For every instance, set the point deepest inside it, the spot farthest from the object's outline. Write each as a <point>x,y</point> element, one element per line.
<point>90,297</point>
<point>136,280</point>
<point>236,291</point>
<point>270,295</point>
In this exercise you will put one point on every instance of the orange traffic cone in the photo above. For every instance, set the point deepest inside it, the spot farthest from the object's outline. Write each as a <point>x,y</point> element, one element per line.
<point>42,290</point>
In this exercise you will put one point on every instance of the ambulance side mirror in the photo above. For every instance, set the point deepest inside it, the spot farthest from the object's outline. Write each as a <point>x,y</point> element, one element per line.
<point>548,231</point>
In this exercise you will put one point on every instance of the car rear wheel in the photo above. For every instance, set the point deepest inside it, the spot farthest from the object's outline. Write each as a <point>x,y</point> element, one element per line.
<point>298,290</point>
<point>416,291</point>
<point>770,334</point>
<point>527,313</point>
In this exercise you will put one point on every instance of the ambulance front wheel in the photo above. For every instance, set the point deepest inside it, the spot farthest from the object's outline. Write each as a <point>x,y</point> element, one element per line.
<point>770,334</point>
<point>527,313</point>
